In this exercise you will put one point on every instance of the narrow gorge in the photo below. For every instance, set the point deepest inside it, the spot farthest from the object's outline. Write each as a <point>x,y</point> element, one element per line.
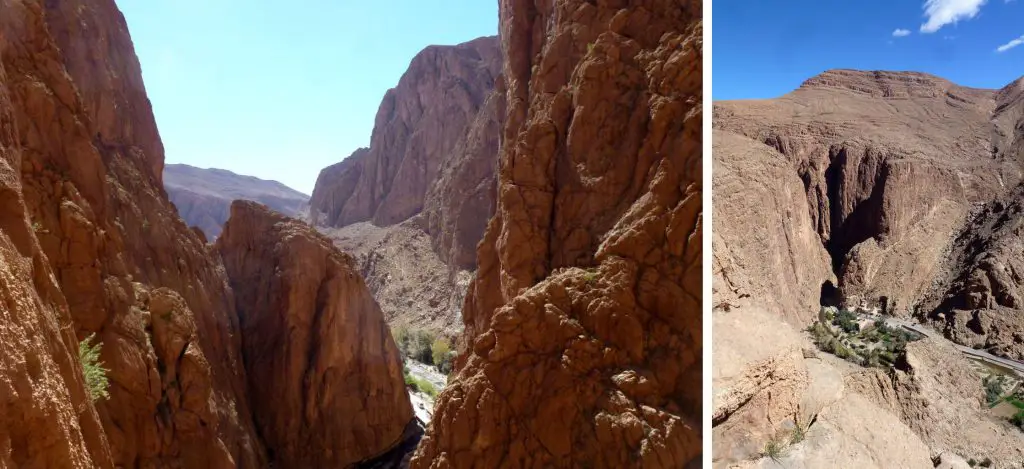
<point>885,198</point>
<point>532,199</point>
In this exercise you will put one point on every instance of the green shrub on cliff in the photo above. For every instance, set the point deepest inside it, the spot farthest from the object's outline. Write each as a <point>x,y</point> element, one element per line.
<point>92,368</point>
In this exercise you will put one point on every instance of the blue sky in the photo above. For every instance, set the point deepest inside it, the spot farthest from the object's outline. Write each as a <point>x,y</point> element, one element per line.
<point>279,90</point>
<point>764,49</point>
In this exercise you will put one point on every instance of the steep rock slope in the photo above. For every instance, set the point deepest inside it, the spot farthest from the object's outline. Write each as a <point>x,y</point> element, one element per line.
<point>415,289</point>
<point>46,416</point>
<point>324,372</point>
<point>872,174</point>
<point>790,256</point>
<point>81,137</point>
<point>582,336</point>
<point>203,196</point>
<point>977,301</point>
<point>766,382</point>
<point>419,123</point>
<point>892,164</point>
<point>427,179</point>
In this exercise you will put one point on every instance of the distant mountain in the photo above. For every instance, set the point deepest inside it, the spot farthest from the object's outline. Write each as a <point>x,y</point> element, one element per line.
<point>204,196</point>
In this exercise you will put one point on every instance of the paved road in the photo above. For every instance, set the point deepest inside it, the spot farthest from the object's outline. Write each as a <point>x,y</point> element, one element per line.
<point>979,354</point>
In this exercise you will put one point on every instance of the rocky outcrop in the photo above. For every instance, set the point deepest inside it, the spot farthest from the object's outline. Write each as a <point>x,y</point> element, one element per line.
<point>334,186</point>
<point>419,125</point>
<point>109,256</point>
<point>767,385</point>
<point>203,196</point>
<point>415,289</point>
<point>789,254</point>
<point>325,376</point>
<point>582,328</point>
<point>977,301</point>
<point>418,199</point>
<point>46,416</point>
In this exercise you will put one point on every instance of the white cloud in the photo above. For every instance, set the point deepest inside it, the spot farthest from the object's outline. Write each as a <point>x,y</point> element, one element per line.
<point>943,12</point>
<point>1010,45</point>
<point>900,32</point>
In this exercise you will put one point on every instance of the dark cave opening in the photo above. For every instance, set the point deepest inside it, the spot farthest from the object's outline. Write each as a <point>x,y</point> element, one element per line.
<point>829,294</point>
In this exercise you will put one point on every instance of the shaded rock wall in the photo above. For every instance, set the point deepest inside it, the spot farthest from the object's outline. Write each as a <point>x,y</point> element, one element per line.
<point>324,373</point>
<point>421,126</point>
<point>46,416</point>
<point>582,328</point>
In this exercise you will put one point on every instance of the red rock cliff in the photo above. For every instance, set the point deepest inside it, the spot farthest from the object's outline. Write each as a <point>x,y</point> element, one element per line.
<point>324,372</point>
<point>433,149</point>
<point>582,339</point>
<point>46,416</point>
<point>426,182</point>
<point>80,136</point>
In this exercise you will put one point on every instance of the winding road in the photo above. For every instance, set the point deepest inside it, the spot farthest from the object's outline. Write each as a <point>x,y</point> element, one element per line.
<point>978,354</point>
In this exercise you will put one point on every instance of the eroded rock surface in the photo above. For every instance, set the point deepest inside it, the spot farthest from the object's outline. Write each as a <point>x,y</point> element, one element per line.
<point>419,125</point>
<point>82,140</point>
<point>46,416</point>
<point>324,372</point>
<point>427,180</point>
<point>582,336</point>
<point>203,196</point>
<point>408,279</point>
<point>790,255</point>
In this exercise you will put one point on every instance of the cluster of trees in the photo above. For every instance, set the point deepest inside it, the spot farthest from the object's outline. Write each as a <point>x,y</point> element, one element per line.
<point>838,332</point>
<point>993,389</point>
<point>425,347</point>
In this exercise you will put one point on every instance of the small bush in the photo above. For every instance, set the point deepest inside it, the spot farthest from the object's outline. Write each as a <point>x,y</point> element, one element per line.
<point>1018,419</point>
<point>993,390</point>
<point>439,351</point>
<point>92,369</point>
<point>420,385</point>
<point>843,351</point>
<point>874,360</point>
<point>799,434</point>
<point>987,462</point>
<point>828,313</point>
<point>773,449</point>
<point>821,334</point>
<point>971,462</point>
